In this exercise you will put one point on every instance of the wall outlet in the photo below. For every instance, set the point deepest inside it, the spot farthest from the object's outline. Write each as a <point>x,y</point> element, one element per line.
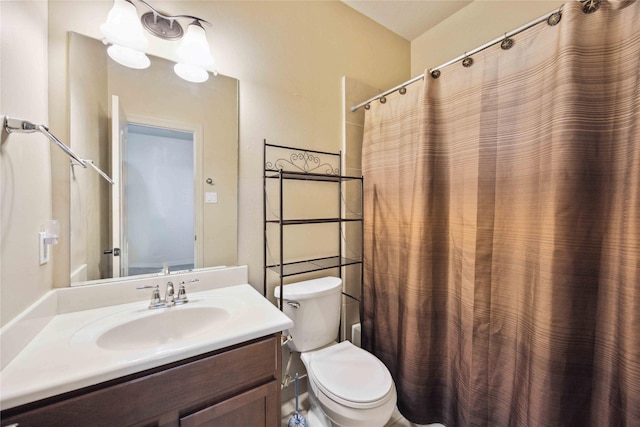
<point>44,248</point>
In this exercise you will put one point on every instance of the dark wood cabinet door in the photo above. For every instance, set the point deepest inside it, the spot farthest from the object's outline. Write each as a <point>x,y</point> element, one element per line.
<point>241,381</point>
<point>256,407</point>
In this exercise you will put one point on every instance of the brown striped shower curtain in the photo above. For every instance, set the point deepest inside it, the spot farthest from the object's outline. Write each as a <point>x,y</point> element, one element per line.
<point>502,231</point>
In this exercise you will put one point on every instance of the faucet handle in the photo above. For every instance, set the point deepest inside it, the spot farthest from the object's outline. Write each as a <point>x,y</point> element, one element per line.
<point>169,295</point>
<point>155,302</point>
<point>182,294</point>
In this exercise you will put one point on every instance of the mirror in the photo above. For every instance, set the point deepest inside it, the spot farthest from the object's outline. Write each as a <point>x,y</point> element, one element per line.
<point>174,159</point>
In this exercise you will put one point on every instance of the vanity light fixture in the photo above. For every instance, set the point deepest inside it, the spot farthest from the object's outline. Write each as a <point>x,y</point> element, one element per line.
<point>128,57</point>
<point>125,32</point>
<point>194,54</point>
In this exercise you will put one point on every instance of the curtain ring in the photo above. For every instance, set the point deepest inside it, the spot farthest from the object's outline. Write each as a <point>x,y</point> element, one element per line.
<point>403,90</point>
<point>591,6</point>
<point>467,61</point>
<point>367,107</point>
<point>554,18</point>
<point>383,100</point>
<point>507,43</point>
<point>435,74</point>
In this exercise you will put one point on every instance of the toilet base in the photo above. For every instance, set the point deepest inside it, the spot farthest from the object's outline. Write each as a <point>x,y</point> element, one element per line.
<point>315,416</point>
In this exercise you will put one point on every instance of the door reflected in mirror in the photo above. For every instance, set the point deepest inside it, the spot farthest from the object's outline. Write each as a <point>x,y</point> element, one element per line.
<point>168,144</point>
<point>157,173</point>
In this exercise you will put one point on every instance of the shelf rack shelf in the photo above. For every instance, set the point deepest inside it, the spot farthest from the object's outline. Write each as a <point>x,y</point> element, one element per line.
<point>311,265</point>
<point>283,164</point>
<point>311,221</point>
<point>310,176</point>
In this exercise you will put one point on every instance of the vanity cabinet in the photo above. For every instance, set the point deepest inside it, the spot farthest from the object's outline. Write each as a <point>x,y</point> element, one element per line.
<point>236,386</point>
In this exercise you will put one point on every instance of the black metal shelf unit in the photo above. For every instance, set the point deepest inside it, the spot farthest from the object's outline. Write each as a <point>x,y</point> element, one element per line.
<point>283,164</point>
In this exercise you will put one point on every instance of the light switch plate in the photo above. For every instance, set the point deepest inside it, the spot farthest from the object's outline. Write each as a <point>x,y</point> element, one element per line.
<point>211,197</point>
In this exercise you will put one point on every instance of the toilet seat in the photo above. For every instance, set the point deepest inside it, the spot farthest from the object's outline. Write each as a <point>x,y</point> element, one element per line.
<point>350,375</point>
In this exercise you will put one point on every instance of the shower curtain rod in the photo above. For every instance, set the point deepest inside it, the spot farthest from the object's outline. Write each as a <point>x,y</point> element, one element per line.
<point>461,57</point>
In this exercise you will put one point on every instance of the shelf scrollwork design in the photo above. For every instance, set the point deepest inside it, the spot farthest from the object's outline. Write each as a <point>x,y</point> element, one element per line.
<point>303,161</point>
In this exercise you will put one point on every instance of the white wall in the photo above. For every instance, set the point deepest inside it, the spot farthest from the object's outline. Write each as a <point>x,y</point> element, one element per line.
<point>25,167</point>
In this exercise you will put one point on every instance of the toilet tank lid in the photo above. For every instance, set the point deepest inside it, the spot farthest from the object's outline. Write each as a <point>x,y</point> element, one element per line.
<point>310,288</point>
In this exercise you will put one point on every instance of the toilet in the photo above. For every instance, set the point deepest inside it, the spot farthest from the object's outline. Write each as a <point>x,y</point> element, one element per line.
<point>348,386</point>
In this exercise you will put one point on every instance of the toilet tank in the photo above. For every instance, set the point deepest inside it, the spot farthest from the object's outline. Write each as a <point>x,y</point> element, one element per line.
<point>314,307</point>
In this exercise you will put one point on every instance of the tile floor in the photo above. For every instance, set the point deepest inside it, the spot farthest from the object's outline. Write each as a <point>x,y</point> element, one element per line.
<point>288,408</point>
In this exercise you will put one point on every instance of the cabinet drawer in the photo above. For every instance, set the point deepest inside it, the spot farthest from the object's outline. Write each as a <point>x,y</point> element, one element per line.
<point>174,390</point>
<point>256,407</point>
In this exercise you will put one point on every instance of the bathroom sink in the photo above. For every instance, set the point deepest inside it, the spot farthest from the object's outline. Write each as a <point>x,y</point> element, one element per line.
<point>163,327</point>
<point>134,328</point>
<point>90,345</point>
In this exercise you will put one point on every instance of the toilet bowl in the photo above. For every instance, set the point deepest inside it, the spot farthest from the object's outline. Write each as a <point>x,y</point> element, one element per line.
<point>348,386</point>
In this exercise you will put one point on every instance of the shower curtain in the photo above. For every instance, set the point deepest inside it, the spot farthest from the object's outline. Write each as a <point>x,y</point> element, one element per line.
<point>502,231</point>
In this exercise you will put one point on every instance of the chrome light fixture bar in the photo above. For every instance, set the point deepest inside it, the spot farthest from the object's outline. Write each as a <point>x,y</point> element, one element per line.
<point>125,32</point>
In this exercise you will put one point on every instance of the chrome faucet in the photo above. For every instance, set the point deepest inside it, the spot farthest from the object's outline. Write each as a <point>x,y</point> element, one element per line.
<point>169,295</point>
<point>182,293</point>
<point>155,302</point>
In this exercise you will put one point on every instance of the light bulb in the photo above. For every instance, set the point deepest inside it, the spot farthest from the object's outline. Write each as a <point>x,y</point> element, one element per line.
<point>194,48</point>
<point>123,26</point>
<point>128,57</point>
<point>191,73</point>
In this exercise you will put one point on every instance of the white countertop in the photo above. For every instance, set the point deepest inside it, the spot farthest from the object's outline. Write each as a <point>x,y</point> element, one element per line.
<point>64,356</point>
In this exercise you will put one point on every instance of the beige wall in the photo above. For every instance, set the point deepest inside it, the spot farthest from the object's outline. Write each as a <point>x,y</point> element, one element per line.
<point>472,26</point>
<point>355,92</point>
<point>289,56</point>
<point>89,193</point>
<point>25,171</point>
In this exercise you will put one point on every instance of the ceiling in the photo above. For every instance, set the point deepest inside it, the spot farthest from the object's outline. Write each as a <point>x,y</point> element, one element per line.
<point>408,19</point>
